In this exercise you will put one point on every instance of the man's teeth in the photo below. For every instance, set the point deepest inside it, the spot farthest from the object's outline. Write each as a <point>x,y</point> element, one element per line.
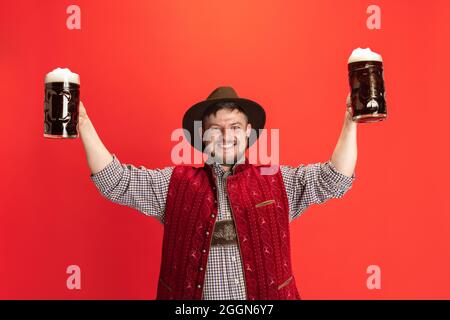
<point>229,145</point>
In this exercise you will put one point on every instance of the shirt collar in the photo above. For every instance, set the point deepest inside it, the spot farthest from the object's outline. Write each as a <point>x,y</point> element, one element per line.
<point>217,168</point>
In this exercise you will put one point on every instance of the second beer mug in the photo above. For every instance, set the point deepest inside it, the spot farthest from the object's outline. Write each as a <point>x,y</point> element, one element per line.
<point>366,79</point>
<point>61,102</point>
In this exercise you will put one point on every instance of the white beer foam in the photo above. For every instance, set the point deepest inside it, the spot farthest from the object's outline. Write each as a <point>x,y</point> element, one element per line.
<point>366,54</point>
<point>62,75</point>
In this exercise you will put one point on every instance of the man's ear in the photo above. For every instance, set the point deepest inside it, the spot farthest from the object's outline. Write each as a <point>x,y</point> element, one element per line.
<point>248,130</point>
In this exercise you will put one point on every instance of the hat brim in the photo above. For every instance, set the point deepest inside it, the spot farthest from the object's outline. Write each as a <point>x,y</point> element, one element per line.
<point>254,111</point>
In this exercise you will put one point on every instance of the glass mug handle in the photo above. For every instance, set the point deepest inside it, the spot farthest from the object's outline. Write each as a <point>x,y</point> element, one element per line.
<point>66,95</point>
<point>372,104</point>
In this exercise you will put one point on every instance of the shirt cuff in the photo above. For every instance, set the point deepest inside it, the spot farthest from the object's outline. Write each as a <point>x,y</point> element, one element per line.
<point>108,176</point>
<point>339,180</point>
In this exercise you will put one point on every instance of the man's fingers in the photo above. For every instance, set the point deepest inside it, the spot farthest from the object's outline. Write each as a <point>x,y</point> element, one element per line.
<point>349,105</point>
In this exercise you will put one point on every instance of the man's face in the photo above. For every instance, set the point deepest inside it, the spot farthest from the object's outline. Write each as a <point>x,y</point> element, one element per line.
<point>225,135</point>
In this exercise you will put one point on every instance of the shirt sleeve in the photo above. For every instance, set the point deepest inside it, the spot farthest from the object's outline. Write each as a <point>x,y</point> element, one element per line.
<point>140,188</point>
<point>313,184</point>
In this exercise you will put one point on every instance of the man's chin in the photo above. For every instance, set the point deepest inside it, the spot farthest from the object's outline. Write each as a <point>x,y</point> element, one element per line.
<point>226,157</point>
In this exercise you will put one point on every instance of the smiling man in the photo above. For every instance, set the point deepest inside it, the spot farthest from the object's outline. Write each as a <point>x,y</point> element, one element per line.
<point>226,225</point>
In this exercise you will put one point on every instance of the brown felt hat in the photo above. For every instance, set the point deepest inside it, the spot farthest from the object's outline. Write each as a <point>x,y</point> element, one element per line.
<point>255,113</point>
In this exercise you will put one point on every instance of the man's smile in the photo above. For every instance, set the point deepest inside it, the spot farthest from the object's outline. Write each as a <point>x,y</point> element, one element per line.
<point>227,146</point>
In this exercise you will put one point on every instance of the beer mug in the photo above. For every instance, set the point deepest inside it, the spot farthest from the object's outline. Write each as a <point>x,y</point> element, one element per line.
<point>366,79</point>
<point>61,102</point>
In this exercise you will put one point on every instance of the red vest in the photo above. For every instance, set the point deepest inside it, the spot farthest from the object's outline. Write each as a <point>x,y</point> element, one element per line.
<point>261,215</point>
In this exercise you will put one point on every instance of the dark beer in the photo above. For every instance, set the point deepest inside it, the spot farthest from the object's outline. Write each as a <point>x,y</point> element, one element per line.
<point>366,79</point>
<point>61,102</point>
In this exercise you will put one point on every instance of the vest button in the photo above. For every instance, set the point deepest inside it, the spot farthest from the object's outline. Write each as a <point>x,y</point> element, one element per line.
<point>199,286</point>
<point>201,268</point>
<point>212,215</point>
<point>204,250</point>
<point>207,232</point>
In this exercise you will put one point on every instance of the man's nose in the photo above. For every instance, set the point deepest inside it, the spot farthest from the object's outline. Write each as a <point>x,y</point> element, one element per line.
<point>227,134</point>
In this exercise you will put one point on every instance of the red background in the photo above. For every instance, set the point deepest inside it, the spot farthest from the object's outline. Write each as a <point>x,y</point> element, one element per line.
<point>143,63</point>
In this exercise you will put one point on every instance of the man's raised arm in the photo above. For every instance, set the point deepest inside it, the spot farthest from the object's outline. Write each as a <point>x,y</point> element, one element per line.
<point>345,152</point>
<point>140,188</point>
<point>317,182</point>
<point>98,157</point>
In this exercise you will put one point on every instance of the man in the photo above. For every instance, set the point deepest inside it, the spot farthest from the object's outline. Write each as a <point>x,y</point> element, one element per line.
<point>226,225</point>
